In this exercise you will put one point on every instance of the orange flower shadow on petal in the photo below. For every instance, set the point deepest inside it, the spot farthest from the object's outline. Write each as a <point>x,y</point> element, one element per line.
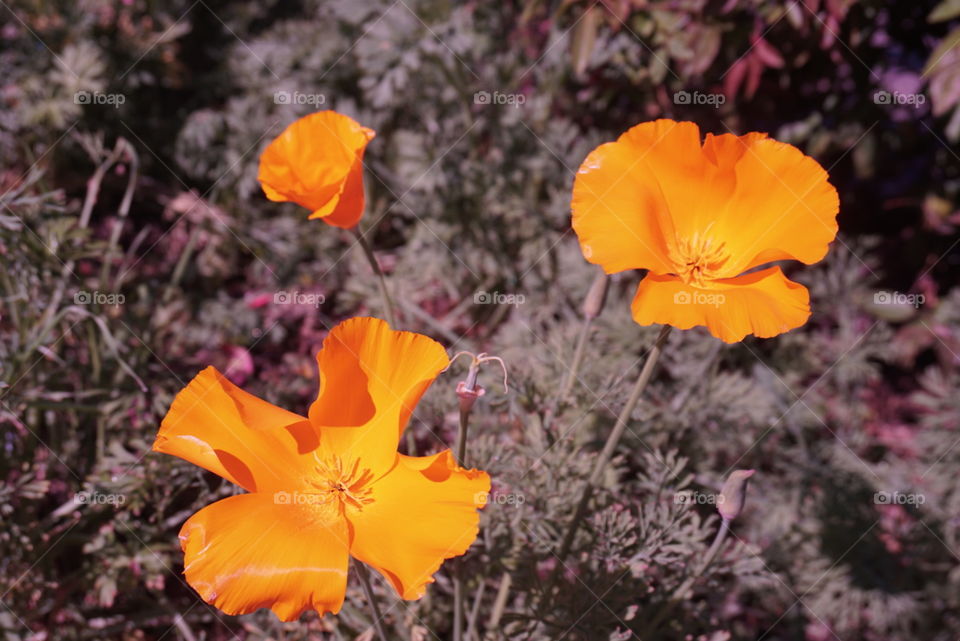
<point>702,218</point>
<point>325,487</point>
<point>317,162</point>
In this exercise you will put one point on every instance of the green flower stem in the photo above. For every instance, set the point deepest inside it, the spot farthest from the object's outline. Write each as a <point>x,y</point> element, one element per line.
<point>499,605</point>
<point>592,304</point>
<point>381,279</point>
<point>681,592</point>
<point>461,454</point>
<point>612,441</point>
<point>368,590</point>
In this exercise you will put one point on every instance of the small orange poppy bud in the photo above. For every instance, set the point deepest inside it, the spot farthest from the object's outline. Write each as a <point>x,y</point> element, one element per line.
<point>317,162</point>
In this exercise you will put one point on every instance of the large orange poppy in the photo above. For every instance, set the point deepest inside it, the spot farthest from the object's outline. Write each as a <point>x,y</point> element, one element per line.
<point>324,487</point>
<point>701,217</point>
<point>317,162</point>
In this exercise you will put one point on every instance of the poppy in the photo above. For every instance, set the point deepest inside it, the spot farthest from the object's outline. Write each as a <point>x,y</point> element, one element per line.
<point>317,162</point>
<point>323,487</point>
<point>704,219</point>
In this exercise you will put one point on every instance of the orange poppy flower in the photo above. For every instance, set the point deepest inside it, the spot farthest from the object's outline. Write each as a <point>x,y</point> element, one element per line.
<point>324,487</point>
<point>701,218</point>
<point>317,162</point>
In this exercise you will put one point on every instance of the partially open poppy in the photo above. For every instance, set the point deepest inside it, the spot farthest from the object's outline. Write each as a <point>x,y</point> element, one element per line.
<point>324,487</point>
<point>701,218</point>
<point>317,162</point>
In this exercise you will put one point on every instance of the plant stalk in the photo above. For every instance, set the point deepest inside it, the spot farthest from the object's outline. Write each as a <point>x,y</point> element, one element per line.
<point>613,440</point>
<point>368,590</point>
<point>388,310</point>
<point>680,593</point>
<point>470,385</point>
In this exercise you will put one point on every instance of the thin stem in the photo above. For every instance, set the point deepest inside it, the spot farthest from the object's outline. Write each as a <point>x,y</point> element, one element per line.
<point>462,437</point>
<point>680,593</point>
<point>470,385</point>
<point>122,212</point>
<point>471,632</point>
<point>457,603</point>
<point>368,590</point>
<point>571,376</point>
<point>500,602</point>
<point>382,281</point>
<point>90,200</point>
<point>613,440</point>
<point>592,304</point>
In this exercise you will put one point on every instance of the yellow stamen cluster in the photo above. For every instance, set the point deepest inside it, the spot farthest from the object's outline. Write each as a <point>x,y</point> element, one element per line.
<point>699,259</point>
<point>344,482</point>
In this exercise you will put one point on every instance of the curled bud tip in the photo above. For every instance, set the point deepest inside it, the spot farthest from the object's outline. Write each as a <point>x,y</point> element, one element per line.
<point>734,494</point>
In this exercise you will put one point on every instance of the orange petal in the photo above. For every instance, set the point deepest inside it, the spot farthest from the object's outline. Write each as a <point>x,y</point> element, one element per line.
<point>317,162</point>
<point>783,207</point>
<point>251,551</point>
<point>347,208</point>
<point>763,303</point>
<point>218,426</point>
<point>371,378</point>
<point>692,186</point>
<point>725,150</point>
<point>422,512</point>
<point>619,212</point>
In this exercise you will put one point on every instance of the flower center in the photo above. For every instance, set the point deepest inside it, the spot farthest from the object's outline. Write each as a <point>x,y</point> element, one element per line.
<point>342,482</point>
<point>699,258</point>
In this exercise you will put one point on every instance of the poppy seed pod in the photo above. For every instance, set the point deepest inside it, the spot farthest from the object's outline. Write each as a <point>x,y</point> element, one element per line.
<point>468,396</point>
<point>734,494</point>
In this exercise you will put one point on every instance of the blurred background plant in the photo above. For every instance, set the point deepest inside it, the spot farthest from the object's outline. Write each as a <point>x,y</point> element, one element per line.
<point>136,249</point>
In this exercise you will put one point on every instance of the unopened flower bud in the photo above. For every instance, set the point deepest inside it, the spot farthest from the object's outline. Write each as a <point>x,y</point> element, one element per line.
<point>593,303</point>
<point>734,494</point>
